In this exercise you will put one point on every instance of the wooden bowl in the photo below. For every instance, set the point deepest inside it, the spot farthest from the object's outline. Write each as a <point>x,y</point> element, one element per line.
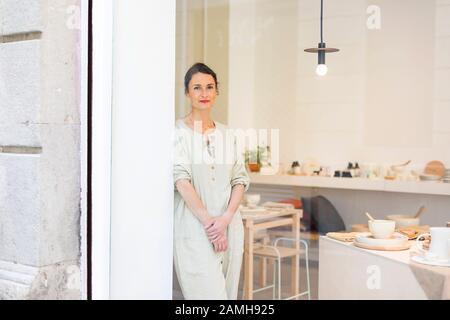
<point>436,168</point>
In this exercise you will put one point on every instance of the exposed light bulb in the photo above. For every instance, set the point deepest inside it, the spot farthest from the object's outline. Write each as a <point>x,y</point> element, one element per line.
<point>322,70</point>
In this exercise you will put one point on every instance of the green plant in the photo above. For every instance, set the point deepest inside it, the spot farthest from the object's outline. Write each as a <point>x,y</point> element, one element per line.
<point>256,156</point>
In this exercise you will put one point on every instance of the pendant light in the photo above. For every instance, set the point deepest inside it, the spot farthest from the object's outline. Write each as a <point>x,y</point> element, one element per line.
<point>322,68</point>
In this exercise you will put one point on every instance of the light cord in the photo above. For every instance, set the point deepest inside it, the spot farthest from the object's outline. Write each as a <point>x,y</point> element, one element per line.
<point>321,21</point>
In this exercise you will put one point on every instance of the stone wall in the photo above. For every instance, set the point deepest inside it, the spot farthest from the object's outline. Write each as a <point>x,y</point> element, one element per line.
<point>39,150</point>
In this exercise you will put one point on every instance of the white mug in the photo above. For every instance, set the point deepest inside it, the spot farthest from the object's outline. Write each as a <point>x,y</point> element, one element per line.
<point>439,245</point>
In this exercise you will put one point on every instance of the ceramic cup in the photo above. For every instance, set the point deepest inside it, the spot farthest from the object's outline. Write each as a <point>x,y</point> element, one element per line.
<point>382,229</point>
<point>439,245</point>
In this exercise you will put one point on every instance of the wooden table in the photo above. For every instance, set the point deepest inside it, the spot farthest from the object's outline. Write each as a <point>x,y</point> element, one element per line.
<point>270,218</point>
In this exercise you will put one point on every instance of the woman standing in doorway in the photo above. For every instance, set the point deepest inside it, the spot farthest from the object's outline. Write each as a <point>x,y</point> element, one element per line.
<point>208,231</point>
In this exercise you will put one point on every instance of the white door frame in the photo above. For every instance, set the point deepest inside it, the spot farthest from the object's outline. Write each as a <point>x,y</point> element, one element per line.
<point>102,53</point>
<point>132,128</point>
<point>84,87</point>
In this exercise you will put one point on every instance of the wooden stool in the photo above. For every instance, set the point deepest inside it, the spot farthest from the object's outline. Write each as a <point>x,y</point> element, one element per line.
<point>277,253</point>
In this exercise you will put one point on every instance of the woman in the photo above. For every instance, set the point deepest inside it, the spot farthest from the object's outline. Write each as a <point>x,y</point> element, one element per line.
<point>208,232</point>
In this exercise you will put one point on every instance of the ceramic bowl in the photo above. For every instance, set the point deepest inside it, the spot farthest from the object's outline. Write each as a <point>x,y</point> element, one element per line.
<point>398,170</point>
<point>382,229</point>
<point>252,200</point>
<point>404,220</point>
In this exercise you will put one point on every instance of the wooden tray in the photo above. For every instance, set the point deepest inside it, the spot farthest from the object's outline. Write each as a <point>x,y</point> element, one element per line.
<point>406,246</point>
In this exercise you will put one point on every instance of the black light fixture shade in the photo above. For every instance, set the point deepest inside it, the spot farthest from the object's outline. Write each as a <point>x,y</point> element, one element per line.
<point>322,47</point>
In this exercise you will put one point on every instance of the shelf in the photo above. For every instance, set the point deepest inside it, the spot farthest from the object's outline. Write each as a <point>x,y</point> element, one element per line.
<point>420,187</point>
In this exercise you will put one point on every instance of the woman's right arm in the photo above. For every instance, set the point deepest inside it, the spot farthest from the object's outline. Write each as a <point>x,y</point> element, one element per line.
<point>193,201</point>
<point>182,176</point>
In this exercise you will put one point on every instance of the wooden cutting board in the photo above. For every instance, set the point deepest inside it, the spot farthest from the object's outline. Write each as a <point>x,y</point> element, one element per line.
<point>406,246</point>
<point>436,168</point>
<point>411,232</point>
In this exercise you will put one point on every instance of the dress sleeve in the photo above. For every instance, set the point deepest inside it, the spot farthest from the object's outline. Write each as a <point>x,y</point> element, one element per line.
<point>182,169</point>
<point>239,173</point>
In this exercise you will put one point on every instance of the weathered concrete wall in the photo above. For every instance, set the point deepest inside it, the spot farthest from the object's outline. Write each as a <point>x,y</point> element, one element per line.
<point>40,180</point>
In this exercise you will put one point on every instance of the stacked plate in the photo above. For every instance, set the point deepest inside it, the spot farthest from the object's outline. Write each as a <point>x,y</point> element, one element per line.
<point>447,176</point>
<point>423,260</point>
<point>429,177</point>
<point>396,243</point>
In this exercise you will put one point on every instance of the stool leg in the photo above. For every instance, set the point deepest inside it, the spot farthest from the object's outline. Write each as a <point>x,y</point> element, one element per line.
<point>274,282</point>
<point>279,278</point>
<point>243,282</point>
<point>307,273</point>
<point>263,268</point>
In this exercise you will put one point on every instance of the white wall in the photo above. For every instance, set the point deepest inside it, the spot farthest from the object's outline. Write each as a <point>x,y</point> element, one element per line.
<point>142,127</point>
<point>385,98</point>
<point>189,47</point>
<point>242,93</point>
<point>202,36</point>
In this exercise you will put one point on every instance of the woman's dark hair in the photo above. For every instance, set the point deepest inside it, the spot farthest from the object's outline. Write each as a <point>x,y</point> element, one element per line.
<point>198,68</point>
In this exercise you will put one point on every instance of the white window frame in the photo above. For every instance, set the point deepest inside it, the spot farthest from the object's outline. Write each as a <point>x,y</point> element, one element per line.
<point>102,24</point>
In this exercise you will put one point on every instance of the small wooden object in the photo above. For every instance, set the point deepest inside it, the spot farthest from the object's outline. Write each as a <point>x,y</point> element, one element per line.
<point>421,210</point>
<point>360,228</point>
<point>413,231</point>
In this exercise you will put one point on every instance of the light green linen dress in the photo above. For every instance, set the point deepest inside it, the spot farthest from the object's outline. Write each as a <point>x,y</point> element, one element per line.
<point>202,273</point>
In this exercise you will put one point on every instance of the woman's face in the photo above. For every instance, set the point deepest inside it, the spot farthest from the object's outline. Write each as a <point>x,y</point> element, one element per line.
<point>202,91</point>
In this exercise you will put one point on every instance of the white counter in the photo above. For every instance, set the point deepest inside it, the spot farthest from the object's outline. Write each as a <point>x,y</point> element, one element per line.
<point>420,187</point>
<point>349,272</point>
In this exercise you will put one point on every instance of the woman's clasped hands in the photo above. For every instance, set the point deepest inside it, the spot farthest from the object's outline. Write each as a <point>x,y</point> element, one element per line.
<point>216,230</point>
